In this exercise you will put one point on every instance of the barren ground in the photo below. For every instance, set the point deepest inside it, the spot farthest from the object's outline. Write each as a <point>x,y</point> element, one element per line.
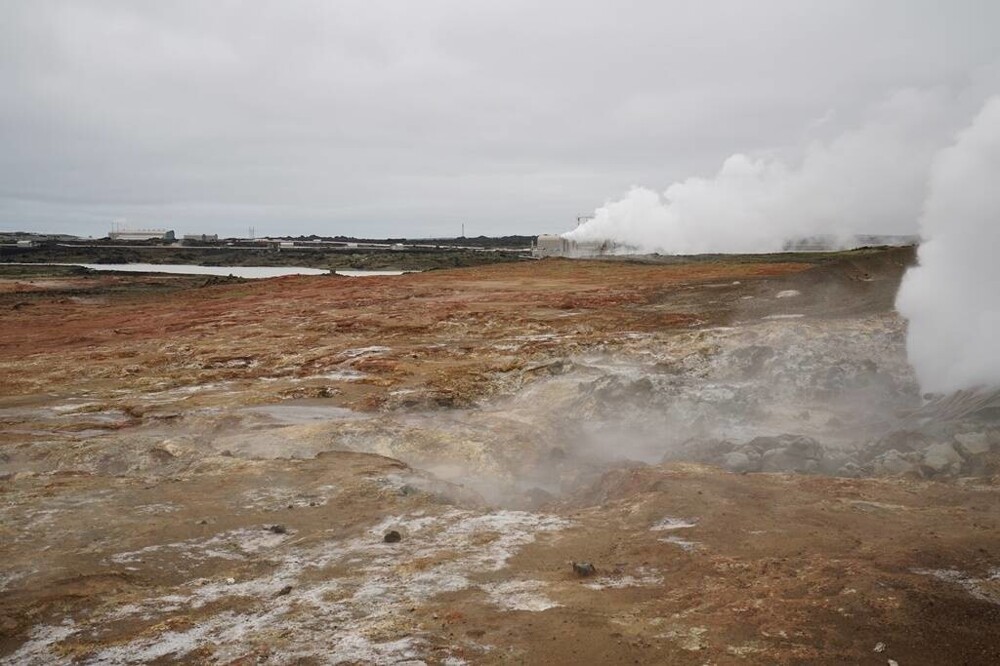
<point>204,471</point>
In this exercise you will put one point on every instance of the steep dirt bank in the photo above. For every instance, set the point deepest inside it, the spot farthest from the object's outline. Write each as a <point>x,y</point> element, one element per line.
<point>210,474</point>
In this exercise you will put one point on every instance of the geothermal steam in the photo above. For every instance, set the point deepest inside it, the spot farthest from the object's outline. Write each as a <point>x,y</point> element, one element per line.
<point>895,169</point>
<point>869,180</point>
<point>952,299</point>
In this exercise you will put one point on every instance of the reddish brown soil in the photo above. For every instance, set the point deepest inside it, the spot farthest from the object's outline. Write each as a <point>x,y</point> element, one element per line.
<point>438,325</point>
<point>774,568</point>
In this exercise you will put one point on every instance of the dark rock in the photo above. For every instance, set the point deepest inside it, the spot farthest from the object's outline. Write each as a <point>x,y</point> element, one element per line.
<point>584,569</point>
<point>902,441</point>
<point>557,367</point>
<point>161,455</point>
<point>286,590</point>
<point>699,449</point>
<point>536,497</point>
<point>751,360</point>
<point>392,536</point>
<point>798,443</point>
<point>278,529</point>
<point>788,453</point>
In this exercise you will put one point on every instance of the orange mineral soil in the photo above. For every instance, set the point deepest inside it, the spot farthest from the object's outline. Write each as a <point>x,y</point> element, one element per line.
<point>714,461</point>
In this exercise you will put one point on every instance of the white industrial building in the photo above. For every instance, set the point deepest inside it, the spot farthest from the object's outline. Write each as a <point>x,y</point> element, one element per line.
<point>551,245</point>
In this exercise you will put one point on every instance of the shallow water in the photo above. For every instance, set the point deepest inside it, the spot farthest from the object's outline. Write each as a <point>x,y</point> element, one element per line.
<point>252,272</point>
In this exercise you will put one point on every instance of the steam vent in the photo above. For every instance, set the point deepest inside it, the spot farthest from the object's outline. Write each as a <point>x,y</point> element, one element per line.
<point>288,376</point>
<point>731,448</point>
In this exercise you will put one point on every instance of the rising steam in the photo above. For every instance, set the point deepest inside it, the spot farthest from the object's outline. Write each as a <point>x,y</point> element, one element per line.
<point>894,173</point>
<point>952,299</point>
<point>869,180</point>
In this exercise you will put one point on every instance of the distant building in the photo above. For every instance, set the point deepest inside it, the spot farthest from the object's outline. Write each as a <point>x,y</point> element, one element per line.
<point>550,245</point>
<point>142,235</point>
<point>26,243</point>
<point>201,238</point>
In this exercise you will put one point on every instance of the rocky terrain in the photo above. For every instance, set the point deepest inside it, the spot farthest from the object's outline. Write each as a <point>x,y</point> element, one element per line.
<point>710,462</point>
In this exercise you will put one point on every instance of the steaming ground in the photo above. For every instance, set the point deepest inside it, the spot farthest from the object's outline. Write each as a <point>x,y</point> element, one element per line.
<point>740,448</point>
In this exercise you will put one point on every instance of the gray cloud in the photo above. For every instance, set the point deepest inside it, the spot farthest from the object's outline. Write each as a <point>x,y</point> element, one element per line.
<point>398,118</point>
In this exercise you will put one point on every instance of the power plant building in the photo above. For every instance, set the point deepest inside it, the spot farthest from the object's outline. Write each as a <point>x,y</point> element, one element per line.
<point>551,245</point>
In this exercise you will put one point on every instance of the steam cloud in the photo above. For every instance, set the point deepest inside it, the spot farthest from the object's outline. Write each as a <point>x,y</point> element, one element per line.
<point>869,180</point>
<point>896,171</point>
<point>952,299</point>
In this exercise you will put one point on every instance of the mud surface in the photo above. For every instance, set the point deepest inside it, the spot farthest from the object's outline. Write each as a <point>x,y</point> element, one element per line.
<point>718,462</point>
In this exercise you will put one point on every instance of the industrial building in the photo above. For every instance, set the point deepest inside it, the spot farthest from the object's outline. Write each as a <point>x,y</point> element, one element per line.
<point>550,245</point>
<point>142,235</point>
<point>201,238</point>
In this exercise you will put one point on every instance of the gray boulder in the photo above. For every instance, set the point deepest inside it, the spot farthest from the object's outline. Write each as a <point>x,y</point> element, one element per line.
<point>736,461</point>
<point>788,453</point>
<point>942,459</point>
<point>901,441</point>
<point>971,444</point>
<point>892,463</point>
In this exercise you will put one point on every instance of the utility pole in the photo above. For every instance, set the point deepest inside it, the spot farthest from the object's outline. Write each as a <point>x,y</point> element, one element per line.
<point>463,229</point>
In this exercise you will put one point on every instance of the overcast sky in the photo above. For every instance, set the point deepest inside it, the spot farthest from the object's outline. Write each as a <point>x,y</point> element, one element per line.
<point>409,118</point>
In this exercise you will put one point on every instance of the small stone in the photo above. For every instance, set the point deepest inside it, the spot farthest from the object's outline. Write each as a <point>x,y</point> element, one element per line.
<point>278,529</point>
<point>392,536</point>
<point>286,590</point>
<point>230,581</point>
<point>879,647</point>
<point>584,569</point>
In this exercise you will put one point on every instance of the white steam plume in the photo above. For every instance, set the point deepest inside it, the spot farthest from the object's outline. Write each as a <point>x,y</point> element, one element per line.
<point>952,298</point>
<point>870,180</point>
